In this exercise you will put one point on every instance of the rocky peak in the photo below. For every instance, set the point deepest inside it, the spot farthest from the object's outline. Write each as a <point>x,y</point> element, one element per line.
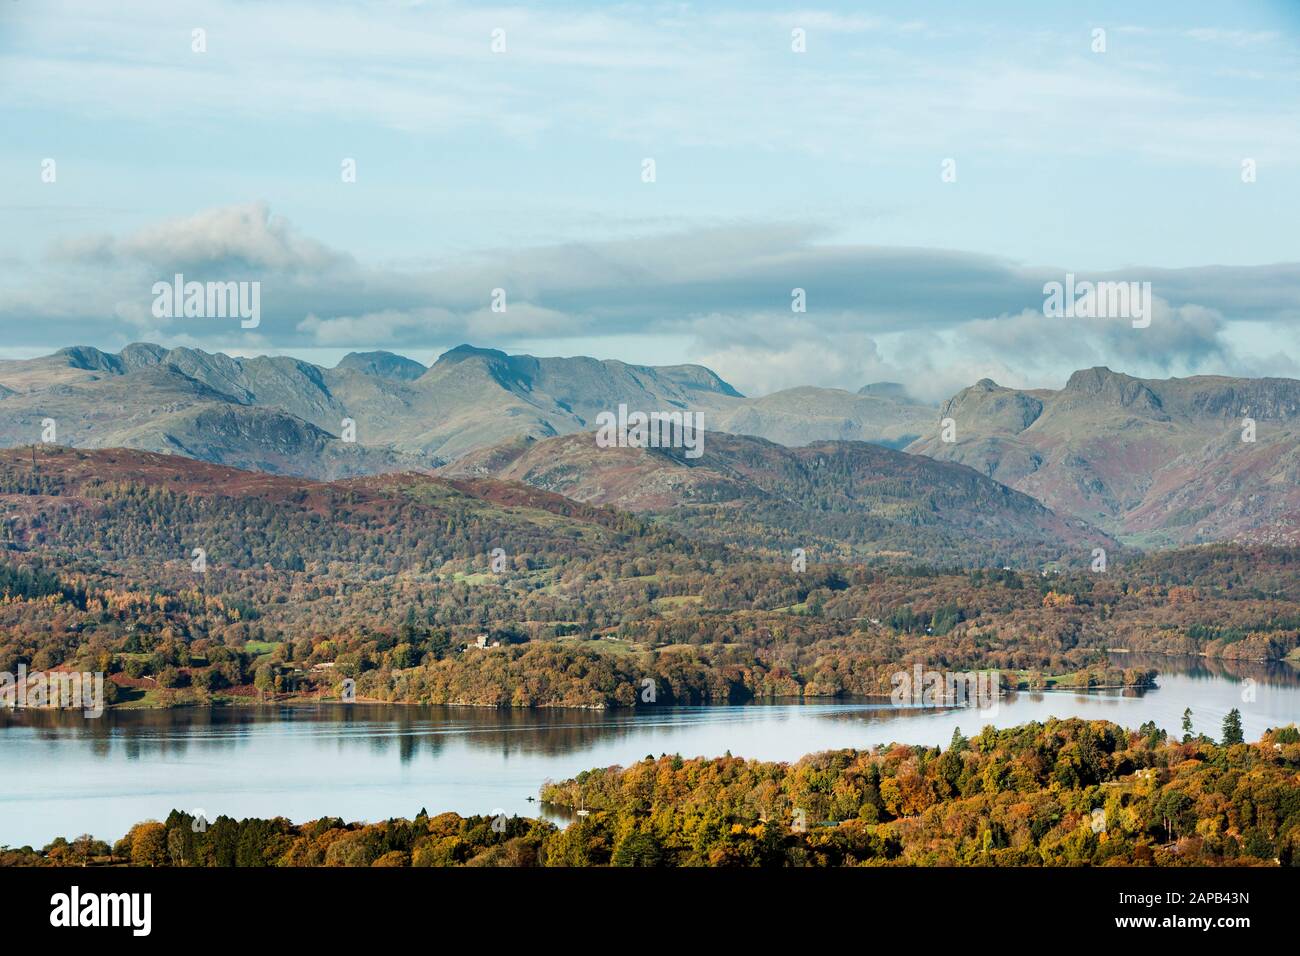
<point>382,364</point>
<point>995,408</point>
<point>1112,388</point>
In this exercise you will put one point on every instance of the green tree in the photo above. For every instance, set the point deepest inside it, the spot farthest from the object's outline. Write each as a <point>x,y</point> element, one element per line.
<point>958,742</point>
<point>1232,733</point>
<point>638,849</point>
<point>264,679</point>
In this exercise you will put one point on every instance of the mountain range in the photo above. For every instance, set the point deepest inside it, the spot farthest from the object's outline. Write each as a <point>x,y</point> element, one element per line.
<point>278,413</point>
<point>1151,462</point>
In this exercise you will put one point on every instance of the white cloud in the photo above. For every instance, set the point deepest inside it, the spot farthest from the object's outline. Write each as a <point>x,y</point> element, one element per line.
<point>246,234</point>
<point>928,318</point>
<point>384,326</point>
<point>847,362</point>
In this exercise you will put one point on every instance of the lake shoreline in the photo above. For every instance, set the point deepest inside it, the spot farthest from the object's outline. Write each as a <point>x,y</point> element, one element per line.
<point>1019,682</point>
<point>309,758</point>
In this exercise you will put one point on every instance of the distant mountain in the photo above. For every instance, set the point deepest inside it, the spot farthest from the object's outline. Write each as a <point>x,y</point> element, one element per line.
<point>1158,462</point>
<point>100,401</point>
<point>1161,462</point>
<point>383,365</point>
<point>404,414</point>
<point>836,498</point>
<point>797,416</point>
<point>487,396</point>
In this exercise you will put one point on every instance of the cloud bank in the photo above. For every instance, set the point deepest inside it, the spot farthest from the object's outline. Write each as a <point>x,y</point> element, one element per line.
<point>725,297</point>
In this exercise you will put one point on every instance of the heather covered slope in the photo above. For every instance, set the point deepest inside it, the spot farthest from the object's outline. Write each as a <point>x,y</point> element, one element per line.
<point>1159,462</point>
<point>844,498</point>
<point>150,510</point>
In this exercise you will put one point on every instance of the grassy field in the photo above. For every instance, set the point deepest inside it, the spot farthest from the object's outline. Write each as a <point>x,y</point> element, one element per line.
<point>679,601</point>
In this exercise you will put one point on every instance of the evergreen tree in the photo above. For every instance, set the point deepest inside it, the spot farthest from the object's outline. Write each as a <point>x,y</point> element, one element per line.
<point>1232,733</point>
<point>958,742</point>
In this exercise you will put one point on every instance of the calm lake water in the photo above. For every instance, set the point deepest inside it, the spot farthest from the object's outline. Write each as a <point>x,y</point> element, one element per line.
<point>61,774</point>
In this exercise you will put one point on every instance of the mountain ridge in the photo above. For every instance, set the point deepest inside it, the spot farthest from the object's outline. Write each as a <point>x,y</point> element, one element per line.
<point>469,398</point>
<point>1141,457</point>
<point>1151,460</point>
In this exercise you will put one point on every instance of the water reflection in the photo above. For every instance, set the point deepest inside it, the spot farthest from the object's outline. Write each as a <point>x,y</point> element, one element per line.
<point>1265,672</point>
<point>66,775</point>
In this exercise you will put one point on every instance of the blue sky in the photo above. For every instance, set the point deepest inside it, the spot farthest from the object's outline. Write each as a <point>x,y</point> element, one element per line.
<point>523,170</point>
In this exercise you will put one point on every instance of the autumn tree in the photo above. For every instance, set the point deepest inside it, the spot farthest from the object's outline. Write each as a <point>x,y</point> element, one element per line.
<point>148,844</point>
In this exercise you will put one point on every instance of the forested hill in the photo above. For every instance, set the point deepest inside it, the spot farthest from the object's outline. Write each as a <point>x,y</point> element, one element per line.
<point>190,582</point>
<point>153,509</point>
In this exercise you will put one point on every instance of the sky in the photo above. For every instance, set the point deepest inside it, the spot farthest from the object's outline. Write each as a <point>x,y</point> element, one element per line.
<point>919,170</point>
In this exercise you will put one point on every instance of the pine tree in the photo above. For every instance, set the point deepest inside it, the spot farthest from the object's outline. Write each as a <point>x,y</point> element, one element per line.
<point>1232,733</point>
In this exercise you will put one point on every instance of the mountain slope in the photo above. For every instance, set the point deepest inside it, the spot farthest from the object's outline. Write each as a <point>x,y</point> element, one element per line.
<point>843,498</point>
<point>470,398</point>
<point>160,408</point>
<point>144,507</point>
<point>1161,461</point>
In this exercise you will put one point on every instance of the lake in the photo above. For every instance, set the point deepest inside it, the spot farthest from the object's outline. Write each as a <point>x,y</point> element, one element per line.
<point>64,774</point>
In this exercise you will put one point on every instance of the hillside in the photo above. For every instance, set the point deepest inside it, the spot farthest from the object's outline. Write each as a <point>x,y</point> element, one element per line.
<point>1156,462</point>
<point>399,580</point>
<point>147,511</point>
<point>848,499</point>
